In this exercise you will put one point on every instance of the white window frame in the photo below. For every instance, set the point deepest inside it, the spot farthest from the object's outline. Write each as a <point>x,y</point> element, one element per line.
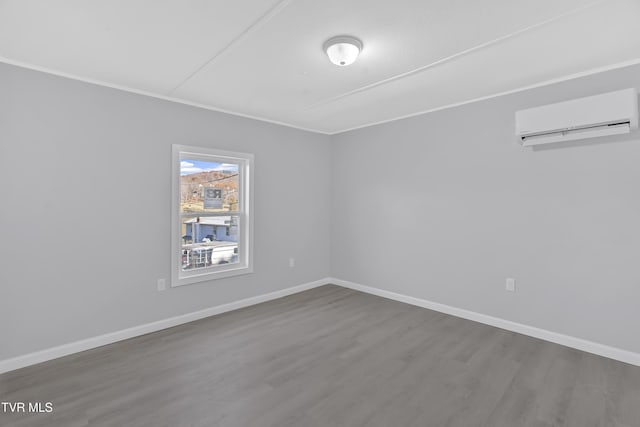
<point>179,277</point>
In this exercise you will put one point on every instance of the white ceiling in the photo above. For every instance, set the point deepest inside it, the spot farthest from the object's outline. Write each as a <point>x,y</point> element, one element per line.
<point>264,59</point>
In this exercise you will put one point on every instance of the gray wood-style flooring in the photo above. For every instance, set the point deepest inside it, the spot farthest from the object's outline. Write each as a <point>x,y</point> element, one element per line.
<point>329,357</point>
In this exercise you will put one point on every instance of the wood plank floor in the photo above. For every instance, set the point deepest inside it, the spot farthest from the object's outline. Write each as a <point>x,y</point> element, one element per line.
<point>329,357</point>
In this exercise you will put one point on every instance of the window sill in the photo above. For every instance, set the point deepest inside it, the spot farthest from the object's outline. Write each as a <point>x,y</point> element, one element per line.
<point>206,276</point>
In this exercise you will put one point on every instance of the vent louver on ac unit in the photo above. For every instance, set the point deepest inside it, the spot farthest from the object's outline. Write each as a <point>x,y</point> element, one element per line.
<point>599,115</point>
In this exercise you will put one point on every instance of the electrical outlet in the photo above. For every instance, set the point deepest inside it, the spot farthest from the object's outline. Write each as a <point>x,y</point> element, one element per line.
<point>510,284</point>
<point>162,284</point>
<point>292,262</point>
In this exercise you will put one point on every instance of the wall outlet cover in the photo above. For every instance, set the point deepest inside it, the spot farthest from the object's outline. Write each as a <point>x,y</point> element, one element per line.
<point>510,284</point>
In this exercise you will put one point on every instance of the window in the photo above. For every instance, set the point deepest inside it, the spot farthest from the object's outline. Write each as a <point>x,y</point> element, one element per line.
<point>212,214</point>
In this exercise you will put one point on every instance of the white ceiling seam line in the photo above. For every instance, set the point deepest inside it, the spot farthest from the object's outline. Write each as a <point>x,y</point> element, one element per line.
<point>262,20</point>
<point>451,57</point>
<point>569,77</point>
<point>53,72</point>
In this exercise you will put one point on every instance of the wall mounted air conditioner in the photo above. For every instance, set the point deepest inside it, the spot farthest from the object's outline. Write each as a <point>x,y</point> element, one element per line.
<point>600,115</point>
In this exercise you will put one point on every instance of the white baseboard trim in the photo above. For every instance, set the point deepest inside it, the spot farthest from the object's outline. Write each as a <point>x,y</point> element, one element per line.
<point>554,337</point>
<point>98,341</point>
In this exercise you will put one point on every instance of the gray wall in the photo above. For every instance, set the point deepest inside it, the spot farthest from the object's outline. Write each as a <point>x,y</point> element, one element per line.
<point>443,206</point>
<point>85,217</point>
<point>468,207</point>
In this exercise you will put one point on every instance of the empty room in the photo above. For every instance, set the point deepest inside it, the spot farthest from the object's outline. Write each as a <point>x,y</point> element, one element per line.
<point>297,213</point>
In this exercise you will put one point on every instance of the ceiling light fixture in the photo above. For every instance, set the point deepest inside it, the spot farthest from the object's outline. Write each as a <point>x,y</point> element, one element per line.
<point>342,50</point>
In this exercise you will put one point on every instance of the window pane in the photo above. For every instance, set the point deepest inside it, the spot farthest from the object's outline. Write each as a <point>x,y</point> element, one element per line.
<point>209,241</point>
<point>207,186</point>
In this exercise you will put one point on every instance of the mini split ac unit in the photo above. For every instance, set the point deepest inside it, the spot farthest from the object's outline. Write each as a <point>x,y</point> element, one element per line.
<point>600,115</point>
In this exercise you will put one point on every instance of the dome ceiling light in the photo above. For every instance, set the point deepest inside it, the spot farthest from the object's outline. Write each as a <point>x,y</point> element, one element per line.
<point>342,50</point>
